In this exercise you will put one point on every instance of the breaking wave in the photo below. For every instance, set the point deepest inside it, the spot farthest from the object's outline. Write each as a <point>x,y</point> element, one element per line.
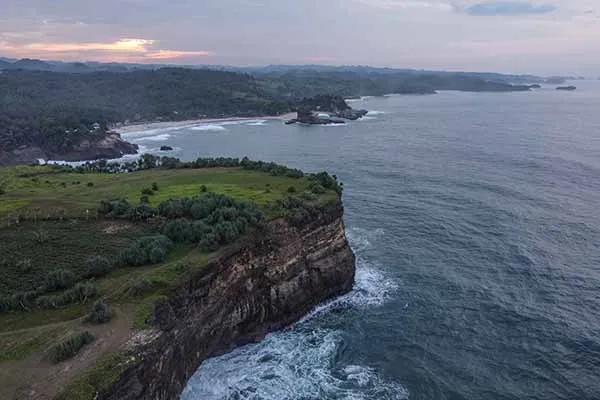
<point>209,128</point>
<point>302,362</point>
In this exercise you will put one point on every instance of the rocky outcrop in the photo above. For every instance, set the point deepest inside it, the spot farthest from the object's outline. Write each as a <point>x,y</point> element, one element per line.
<point>108,147</point>
<point>254,287</point>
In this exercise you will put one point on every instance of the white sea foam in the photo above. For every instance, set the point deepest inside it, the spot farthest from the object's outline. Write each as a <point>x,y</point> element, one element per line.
<point>152,132</point>
<point>209,128</point>
<point>300,363</point>
<point>289,365</point>
<point>126,158</point>
<point>375,112</point>
<point>260,122</point>
<point>158,138</point>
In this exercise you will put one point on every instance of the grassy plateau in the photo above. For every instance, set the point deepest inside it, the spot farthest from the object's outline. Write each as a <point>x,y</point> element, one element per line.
<point>65,262</point>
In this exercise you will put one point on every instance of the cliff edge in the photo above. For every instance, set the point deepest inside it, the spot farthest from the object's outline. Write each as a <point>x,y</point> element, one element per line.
<point>258,285</point>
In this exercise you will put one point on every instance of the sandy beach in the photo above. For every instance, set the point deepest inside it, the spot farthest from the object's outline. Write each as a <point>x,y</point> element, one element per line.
<point>181,124</point>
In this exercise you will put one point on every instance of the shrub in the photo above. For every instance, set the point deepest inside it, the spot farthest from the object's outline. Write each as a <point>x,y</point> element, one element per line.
<point>155,187</point>
<point>2,191</point>
<point>147,191</point>
<point>142,212</point>
<point>20,301</point>
<point>98,266</point>
<point>90,184</point>
<point>144,200</point>
<point>117,208</point>
<point>148,250</point>
<point>291,189</point>
<point>80,293</point>
<point>100,313</point>
<point>69,347</point>
<point>178,230</point>
<point>59,279</point>
<point>317,188</point>
<point>203,189</point>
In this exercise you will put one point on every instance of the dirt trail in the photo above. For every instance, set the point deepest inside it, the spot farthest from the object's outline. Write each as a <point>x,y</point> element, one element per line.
<point>35,378</point>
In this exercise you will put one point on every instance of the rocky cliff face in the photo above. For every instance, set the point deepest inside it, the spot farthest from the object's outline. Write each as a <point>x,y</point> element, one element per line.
<point>109,147</point>
<point>259,285</point>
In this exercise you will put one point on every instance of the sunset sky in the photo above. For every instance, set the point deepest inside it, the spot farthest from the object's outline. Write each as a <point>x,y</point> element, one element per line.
<point>553,37</point>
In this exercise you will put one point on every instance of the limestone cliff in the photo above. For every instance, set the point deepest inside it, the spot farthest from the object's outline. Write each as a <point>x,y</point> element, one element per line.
<point>259,285</point>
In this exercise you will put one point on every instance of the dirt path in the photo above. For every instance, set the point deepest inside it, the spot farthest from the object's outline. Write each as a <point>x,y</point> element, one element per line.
<point>36,378</point>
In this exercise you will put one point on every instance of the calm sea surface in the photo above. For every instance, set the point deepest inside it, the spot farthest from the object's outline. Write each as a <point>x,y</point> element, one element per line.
<point>476,222</point>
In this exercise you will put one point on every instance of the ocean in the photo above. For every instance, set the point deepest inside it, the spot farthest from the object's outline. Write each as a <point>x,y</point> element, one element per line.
<point>475,218</point>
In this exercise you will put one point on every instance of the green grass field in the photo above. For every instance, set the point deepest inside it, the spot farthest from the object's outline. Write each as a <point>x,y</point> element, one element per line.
<point>40,191</point>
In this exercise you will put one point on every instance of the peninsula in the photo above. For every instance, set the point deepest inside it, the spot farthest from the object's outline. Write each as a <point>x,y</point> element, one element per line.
<point>119,280</point>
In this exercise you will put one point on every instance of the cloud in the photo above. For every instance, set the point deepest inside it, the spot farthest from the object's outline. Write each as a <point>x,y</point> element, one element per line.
<point>510,8</point>
<point>122,49</point>
<point>408,4</point>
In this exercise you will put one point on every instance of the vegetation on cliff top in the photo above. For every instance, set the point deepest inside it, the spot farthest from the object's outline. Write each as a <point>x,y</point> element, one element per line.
<point>89,246</point>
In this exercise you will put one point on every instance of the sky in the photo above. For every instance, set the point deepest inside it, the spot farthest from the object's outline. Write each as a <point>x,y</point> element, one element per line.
<point>516,36</point>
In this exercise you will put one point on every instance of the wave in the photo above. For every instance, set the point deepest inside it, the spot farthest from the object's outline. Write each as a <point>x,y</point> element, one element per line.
<point>209,128</point>
<point>158,138</point>
<point>301,362</point>
<point>259,122</point>
<point>375,112</point>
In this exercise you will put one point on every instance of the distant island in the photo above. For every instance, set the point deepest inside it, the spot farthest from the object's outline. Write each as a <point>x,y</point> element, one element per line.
<point>325,110</point>
<point>54,110</point>
<point>567,88</point>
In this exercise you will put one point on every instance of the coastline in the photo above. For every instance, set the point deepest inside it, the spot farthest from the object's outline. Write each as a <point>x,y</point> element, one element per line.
<point>142,126</point>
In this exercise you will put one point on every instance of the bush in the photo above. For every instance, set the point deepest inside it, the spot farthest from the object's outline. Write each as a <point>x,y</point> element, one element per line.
<point>100,313</point>
<point>2,191</point>
<point>148,250</point>
<point>147,191</point>
<point>80,293</point>
<point>178,230</point>
<point>203,189</point>
<point>291,189</point>
<point>117,208</point>
<point>59,280</point>
<point>69,347</point>
<point>90,184</point>
<point>20,301</point>
<point>155,187</point>
<point>317,189</point>
<point>144,200</point>
<point>98,266</point>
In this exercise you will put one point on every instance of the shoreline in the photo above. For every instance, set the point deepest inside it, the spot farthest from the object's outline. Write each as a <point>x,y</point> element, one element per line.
<point>143,126</point>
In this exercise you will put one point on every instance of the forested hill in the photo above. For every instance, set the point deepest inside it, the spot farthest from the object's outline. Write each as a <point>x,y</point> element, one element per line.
<point>56,111</point>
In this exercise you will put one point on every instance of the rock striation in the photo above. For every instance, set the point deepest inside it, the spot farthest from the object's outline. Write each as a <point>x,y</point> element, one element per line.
<point>256,286</point>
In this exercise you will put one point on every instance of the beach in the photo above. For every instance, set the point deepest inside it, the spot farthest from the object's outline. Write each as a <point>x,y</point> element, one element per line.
<point>143,126</point>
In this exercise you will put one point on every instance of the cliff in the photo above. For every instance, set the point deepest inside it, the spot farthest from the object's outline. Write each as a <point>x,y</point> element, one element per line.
<point>258,285</point>
<point>110,146</point>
